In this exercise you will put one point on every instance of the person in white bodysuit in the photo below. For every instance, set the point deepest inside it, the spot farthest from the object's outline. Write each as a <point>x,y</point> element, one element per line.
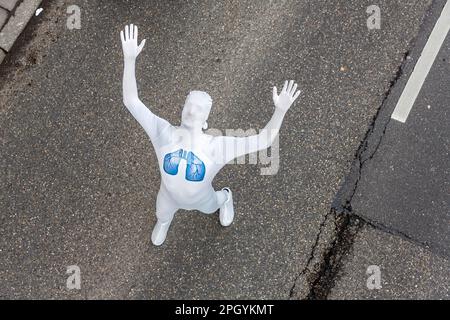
<point>188,158</point>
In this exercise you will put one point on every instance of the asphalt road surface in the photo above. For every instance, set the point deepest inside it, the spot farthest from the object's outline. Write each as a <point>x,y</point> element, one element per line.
<point>79,177</point>
<point>403,193</point>
<point>407,185</point>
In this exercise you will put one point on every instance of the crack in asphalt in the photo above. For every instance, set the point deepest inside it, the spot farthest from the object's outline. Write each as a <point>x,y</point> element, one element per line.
<point>323,275</point>
<point>292,292</point>
<point>347,227</point>
<point>343,199</point>
<point>392,231</point>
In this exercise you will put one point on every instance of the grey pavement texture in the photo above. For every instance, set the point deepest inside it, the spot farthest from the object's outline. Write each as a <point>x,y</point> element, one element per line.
<point>9,4</point>
<point>396,198</point>
<point>407,271</point>
<point>406,185</point>
<point>79,177</point>
<point>4,15</point>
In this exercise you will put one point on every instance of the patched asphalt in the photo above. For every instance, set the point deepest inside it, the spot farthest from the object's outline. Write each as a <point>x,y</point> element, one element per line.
<point>402,195</point>
<point>405,186</point>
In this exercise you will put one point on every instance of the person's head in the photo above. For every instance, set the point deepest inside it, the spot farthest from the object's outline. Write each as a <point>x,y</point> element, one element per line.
<point>196,109</point>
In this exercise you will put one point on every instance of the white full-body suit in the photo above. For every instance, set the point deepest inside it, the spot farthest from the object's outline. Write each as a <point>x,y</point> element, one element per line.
<point>188,158</point>
<point>185,187</point>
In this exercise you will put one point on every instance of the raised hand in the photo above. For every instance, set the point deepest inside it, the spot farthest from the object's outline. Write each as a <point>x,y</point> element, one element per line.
<point>287,95</point>
<point>129,38</point>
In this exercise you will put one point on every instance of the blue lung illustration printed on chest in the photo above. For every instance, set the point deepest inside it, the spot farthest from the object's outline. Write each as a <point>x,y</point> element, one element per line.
<point>195,169</point>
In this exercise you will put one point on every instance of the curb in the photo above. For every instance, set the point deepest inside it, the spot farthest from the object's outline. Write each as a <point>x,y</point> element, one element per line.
<point>15,15</point>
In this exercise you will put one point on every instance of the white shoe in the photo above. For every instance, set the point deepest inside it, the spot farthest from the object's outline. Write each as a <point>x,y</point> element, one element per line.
<point>160,232</point>
<point>227,210</point>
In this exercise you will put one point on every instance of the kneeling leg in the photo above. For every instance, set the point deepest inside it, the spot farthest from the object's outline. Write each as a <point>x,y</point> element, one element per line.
<point>165,211</point>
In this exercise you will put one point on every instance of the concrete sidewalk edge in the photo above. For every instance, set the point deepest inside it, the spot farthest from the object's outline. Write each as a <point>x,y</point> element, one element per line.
<point>16,24</point>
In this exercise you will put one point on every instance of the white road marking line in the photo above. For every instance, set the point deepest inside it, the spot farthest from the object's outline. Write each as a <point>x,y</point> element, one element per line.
<point>423,66</point>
